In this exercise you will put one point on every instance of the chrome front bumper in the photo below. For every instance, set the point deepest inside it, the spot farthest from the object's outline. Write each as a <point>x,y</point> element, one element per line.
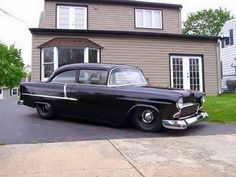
<point>182,124</point>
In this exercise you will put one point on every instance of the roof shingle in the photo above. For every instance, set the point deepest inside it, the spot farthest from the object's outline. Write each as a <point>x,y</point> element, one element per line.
<point>70,42</point>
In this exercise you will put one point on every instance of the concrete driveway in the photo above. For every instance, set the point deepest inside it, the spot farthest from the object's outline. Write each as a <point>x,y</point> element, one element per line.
<point>203,150</point>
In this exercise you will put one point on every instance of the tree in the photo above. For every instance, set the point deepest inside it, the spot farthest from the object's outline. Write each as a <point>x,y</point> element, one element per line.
<point>206,22</point>
<point>11,66</point>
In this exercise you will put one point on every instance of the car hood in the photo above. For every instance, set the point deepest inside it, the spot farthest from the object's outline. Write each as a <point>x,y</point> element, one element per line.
<point>171,94</point>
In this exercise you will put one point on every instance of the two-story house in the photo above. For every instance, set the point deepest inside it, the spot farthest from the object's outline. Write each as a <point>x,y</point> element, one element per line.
<point>228,53</point>
<point>144,34</point>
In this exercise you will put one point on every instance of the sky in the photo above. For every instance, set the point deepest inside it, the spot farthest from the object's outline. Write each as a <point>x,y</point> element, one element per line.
<point>15,31</point>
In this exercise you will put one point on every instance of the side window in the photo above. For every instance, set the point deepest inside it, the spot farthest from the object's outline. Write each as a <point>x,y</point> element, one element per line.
<point>65,77</point>
<point>93,77</point>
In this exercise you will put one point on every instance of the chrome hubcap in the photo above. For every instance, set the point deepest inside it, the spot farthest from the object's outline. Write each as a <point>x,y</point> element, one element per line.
<point>45,108</point>
<point>147,116</point>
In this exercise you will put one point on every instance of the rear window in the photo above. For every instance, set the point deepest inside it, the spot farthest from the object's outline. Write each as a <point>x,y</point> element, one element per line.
<point>93,77</point>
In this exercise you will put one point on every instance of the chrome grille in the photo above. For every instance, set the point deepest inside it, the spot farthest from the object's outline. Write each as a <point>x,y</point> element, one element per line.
<point>189,99</point>
<point>189,110</point>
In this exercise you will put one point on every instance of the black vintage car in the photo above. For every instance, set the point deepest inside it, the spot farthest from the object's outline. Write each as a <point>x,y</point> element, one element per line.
<point>113,94</point>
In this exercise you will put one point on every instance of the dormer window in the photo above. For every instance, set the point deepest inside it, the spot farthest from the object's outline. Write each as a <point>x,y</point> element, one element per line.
<point>71,17</point>
<point>145,18</point>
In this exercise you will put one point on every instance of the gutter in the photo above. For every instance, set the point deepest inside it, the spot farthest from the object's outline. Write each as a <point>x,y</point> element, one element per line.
<point>69,32</point>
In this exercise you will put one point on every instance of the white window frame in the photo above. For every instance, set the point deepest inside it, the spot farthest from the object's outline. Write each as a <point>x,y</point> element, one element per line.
<point>12,91</point>
<point>55,59</point>
<point>144,11</point>
<point>72,17</point>
<point>55,62</point>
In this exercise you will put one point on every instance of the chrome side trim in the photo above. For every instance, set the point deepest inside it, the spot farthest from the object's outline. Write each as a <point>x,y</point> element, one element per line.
<point>182,124</point>
<point>47,96</point>
<point>65,94</point>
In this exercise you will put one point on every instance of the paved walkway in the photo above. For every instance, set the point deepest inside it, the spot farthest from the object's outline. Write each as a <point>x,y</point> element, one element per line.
<point>210,155</point>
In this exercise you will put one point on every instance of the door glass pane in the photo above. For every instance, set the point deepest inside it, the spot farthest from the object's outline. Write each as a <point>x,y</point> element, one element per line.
<point>93,56</point>
<point>194,74</point>
<point>93,77</point>
<point>177,73</point>
<point>65,77</point>
<point>70,56</point>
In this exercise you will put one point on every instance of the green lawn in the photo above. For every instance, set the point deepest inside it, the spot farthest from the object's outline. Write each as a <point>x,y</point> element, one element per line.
<point>221,108</point>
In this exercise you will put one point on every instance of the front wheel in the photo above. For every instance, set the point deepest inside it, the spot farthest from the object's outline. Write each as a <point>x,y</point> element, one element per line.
<point>45,111</point>
<point>146,119</point>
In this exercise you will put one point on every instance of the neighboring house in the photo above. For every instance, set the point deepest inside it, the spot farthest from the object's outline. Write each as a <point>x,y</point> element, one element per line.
<point>228,52</point>
<point>144,34</point>
<point>6,93</point>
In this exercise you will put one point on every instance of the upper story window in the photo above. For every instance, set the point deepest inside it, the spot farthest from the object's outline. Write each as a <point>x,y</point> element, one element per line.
<point>71,17</point>
<point>145,18</point>
<point>228,41</point>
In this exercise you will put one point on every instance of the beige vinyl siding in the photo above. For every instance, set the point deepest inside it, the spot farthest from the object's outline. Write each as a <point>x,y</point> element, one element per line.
<point>49,15</point>
<point>150,54</point>
<point>115,17</point>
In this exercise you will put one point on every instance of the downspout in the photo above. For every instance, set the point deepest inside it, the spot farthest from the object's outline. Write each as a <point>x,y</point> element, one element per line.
<point>218,68</point>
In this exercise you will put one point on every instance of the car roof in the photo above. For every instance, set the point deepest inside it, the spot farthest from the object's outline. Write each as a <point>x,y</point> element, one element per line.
<point>78,66</point>
<point>92,66</point>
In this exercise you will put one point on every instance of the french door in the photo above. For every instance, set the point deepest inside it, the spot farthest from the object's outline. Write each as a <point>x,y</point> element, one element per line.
<point>186,72</point>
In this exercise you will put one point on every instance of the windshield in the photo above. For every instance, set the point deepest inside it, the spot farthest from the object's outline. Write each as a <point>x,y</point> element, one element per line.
<point>126,76</point>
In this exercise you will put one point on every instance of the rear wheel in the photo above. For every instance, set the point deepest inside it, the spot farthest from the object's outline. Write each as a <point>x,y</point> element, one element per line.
<point>146,119</point>
<point>45,111</point>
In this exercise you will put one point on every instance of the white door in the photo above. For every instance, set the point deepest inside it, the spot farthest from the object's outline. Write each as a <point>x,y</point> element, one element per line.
<point>186,72</point>
<point>1,93</point>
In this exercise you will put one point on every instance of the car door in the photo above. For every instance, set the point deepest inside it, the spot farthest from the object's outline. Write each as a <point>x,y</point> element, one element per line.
<point>94,97</point>
<point>58,85</point>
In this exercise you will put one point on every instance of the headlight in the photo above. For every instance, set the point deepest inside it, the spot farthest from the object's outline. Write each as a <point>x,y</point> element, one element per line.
<point>180,103</point>
<point>203,99</point>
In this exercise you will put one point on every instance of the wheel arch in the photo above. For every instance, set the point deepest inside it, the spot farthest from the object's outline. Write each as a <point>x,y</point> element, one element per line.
<point>41,103</point>
<point>135,107</point>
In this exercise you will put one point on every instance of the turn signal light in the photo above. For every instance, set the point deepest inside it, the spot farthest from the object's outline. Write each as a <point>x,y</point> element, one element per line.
<point>176,115</point>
